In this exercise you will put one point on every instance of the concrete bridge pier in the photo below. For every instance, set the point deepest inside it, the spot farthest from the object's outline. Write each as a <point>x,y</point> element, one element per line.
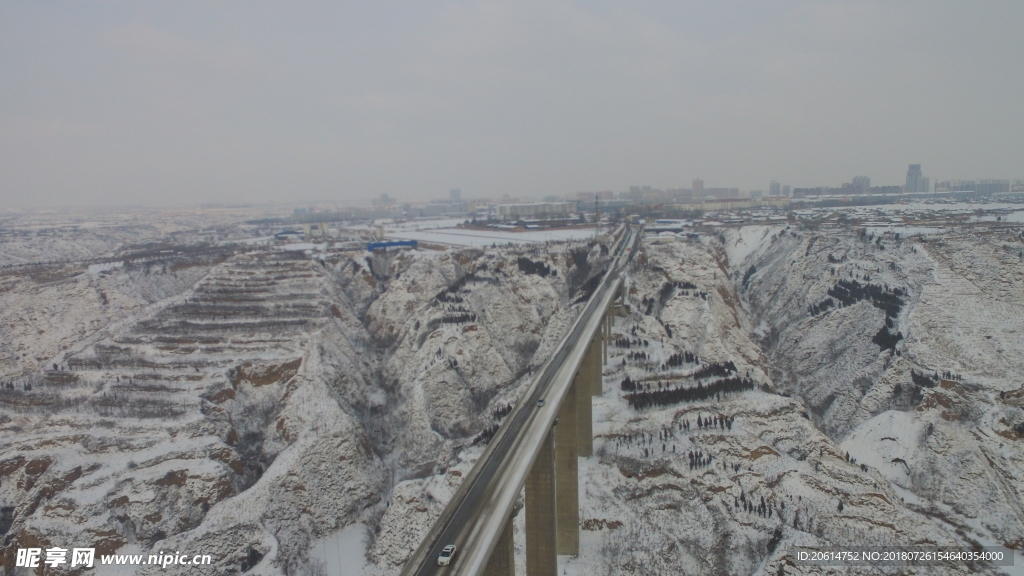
<point>596,367</point>
<point>552,487</point>
<point>604,341</point>
<point>541,552</point>
<point>503,558</point>
<point>567,476</point>
<point>584,415</point>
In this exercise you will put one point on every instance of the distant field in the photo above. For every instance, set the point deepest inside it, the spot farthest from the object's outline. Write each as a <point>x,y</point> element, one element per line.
<point>463,237</point>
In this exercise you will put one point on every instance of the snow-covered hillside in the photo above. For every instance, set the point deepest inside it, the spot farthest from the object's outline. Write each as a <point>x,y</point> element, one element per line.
<point>247,404</point>
<point>701,466</point>
<point>769,386</point>
<point>907,352</point>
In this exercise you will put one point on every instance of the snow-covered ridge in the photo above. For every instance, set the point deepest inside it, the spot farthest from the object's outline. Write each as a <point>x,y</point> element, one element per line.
<point>270,399</point>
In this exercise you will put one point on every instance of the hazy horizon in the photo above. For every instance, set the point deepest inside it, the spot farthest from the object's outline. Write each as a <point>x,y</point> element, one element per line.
<point>184,103</point>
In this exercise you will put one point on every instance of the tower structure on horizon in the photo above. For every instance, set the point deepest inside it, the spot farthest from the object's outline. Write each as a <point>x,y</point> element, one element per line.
<point>916,182</point>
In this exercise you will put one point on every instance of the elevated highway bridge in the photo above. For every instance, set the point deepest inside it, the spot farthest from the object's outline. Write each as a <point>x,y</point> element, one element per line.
<point>536,447</point>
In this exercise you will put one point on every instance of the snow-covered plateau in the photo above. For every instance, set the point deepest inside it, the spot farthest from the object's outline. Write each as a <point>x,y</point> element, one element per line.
<point>310,411</point>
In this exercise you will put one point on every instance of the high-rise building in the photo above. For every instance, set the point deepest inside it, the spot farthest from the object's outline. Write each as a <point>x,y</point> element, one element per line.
<point>455,194</point>
<point>786,190</point>
<point>862,182</point>
<point>698,189</point>
<point>774,189</point>
<point>916,182</point>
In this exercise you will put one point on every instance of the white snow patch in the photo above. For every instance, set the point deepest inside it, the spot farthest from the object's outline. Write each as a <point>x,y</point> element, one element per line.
<point>342,552</point>
<point>883,441</point>
<point>746,241</point>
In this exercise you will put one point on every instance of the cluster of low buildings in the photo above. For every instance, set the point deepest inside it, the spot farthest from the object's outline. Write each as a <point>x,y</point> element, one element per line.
<point>581,207</point>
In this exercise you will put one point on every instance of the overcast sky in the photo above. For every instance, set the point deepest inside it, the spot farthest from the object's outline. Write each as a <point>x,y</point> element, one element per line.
<point>183,102</point>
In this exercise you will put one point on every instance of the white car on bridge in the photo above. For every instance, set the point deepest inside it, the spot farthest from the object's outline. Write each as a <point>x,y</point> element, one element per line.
<point>445,558</point>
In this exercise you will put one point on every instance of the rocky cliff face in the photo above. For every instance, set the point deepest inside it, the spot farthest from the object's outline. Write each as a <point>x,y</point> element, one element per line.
<point>245,407</point>
<point>702,464</point>
<point>458,378</point>
<point>906,351</point>
<point>710,455</point>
